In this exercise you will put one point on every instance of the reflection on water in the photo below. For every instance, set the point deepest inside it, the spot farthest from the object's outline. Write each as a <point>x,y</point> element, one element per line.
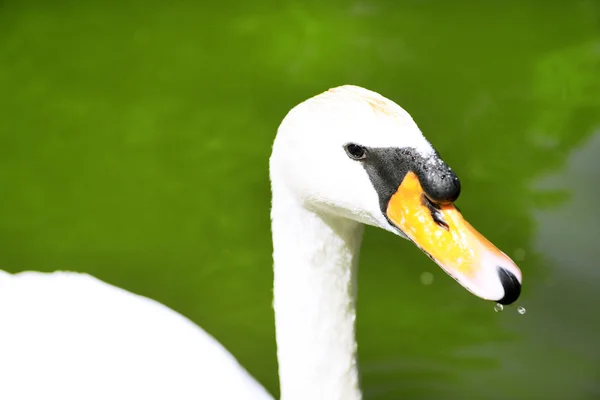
<point>134,145</point>
<point>567,239</point>
<point>567,234</point>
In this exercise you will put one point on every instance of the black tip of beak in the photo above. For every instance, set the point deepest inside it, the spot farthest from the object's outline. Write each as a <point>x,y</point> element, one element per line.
<point>512,287</point>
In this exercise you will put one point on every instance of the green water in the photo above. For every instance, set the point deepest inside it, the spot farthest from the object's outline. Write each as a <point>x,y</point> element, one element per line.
<point>134,139</point>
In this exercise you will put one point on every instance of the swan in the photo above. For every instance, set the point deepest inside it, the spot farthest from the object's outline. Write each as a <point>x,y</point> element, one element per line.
<point>343,159</point>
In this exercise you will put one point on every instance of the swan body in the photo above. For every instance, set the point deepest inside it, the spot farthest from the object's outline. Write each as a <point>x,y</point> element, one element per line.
<point>343,159</point>
<point>71,336</point>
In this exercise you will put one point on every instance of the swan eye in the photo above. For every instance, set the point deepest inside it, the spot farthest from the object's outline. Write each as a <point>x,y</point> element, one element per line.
<point>355,151</point>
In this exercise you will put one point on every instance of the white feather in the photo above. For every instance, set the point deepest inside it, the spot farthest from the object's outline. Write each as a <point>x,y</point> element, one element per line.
<point>69,336</point>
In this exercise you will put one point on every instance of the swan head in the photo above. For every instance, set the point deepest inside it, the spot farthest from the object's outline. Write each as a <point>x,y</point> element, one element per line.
<point>354,154</point>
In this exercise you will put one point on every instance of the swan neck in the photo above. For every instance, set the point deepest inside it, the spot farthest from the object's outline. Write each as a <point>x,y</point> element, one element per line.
<point>315,264</point>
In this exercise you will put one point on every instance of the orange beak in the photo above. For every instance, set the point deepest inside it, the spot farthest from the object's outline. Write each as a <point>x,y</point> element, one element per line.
<point>443,234</point>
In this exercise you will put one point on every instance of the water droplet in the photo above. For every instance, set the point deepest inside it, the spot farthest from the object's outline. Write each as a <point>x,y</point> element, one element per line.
<point>426,278</point>
<point>521,310</point>
<point>498,307</point>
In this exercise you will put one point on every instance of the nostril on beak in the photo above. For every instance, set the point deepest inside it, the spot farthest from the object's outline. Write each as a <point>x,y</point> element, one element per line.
<point>511,285</point>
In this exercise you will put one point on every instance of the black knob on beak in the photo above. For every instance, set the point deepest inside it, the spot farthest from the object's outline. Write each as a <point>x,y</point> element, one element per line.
<point>438,180</point>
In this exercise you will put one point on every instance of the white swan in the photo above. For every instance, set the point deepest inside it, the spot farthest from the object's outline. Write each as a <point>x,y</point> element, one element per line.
<point>342,159</point>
